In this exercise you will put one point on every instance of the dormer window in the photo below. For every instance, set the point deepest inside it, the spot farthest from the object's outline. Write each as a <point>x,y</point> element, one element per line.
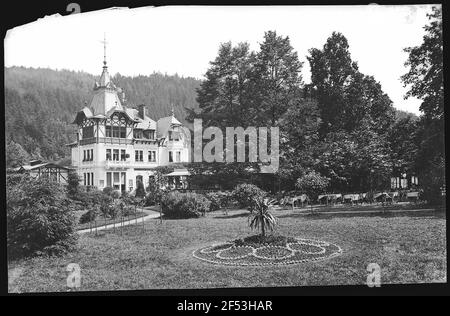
<point>174,135</point>
<point>137,133</point>
<point>149,134</point>
<point>116,131</point>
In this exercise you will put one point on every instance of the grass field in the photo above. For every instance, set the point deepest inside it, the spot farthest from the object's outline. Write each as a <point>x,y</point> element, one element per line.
<point>409,248</point>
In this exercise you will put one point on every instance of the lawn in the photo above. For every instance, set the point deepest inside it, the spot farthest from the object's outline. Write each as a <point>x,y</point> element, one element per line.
<point>409,248</point>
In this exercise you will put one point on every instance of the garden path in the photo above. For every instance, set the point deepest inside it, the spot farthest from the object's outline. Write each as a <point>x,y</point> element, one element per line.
<point>151,214</point>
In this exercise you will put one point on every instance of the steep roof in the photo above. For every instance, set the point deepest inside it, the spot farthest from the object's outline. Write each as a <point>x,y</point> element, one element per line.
<point>165,123</point>
<point>106,101</point>
<point>44,164</point>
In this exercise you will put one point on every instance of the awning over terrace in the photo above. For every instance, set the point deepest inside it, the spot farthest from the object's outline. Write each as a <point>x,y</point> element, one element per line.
<point>178,172</point>
<point>329,196</point>
<point>352,197</point>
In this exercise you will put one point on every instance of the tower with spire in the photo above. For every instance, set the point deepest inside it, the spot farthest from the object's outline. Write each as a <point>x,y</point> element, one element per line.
<point>119,145</point>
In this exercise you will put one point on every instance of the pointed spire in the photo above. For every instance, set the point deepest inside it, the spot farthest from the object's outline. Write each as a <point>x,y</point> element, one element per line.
<point>104,50</point>
<point>105,79</point>
<point>173,111</point>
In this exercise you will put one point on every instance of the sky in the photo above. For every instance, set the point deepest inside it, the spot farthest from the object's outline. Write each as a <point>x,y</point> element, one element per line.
<point>184,39</point>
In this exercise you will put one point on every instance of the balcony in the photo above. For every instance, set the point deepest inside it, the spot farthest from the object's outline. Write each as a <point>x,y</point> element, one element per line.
<point>87,162</point>
<point>117,164</point>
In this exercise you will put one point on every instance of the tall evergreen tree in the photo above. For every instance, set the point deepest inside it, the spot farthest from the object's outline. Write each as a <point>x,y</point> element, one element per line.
<point>225,97</point>
<point>332,70</point>
<point>277,77</point>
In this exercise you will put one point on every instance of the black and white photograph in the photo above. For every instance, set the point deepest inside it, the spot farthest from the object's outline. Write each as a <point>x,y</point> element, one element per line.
<point>200,147</point>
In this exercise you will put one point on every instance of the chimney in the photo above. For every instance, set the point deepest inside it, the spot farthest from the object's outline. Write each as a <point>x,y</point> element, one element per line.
<point>141,110</point>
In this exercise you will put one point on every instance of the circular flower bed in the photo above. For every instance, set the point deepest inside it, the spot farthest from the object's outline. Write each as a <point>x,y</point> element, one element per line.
<point>306,248</point>
<point>235,252</point>
<point>216,248</point>
<point>278,251</point>
<point>273,252</point>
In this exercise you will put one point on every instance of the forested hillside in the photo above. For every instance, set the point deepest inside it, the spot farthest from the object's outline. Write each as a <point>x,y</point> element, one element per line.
<point>40,104</point>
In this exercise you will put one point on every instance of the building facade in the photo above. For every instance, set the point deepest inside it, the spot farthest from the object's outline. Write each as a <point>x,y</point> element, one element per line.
<point>119,144</point>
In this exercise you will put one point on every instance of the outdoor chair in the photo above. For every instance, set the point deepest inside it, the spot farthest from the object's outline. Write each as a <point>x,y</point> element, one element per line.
<point>351,199</point>
<point>395,196</point>
<point>383,198</point>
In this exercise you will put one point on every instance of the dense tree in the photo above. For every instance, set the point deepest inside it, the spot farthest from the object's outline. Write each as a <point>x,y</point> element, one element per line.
<point>278,78</point>
<point>224,97</point>
<point>73,184</point>
<point>299,137</point>
<point>403,140</point>
<point>358,161</point>
<point>244,88</point>
<point>331,72</point>
<point>16,156</point>
<point>425,63</point>
<point>344,94</point>
<point>312,184</point>
<point>378,105</point>
<point>39,218</point>
<point>425,81</point>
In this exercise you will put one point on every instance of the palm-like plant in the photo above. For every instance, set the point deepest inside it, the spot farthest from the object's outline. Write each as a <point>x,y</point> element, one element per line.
<point>262,218</point>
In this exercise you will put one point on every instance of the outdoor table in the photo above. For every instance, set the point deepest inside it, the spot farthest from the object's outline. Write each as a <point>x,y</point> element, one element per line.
<point>412,194</point>
<point>352,197</point>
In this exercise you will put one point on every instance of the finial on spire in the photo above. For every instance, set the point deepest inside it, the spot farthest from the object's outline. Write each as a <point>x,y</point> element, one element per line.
<point>173,111</point>
<point>104,49</point>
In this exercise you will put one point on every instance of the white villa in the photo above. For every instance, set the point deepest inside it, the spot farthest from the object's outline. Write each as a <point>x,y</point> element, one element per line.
<point>118,145</point>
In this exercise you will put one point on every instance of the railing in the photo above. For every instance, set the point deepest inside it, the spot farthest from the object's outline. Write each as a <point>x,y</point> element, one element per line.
<point>115,140</point>
<point>87,162</point>
<point>87,141</point>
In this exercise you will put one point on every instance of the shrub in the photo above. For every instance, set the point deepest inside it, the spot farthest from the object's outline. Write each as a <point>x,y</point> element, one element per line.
<point>140,190</point>
<point>154,189</point>
<point>312,184</point>
<point>13,179</point>
<point>247,195</point>
<point>432,183</point>
<point>111,192</point>
<point>117,208</point>
<point>184,205</point>
<point>218,200</point>
<point>108,191</point>
<point>87,217</point>
<point>39,219</point>
<point>105,204</point>
<point>73,184</point>
<point>215,200</point>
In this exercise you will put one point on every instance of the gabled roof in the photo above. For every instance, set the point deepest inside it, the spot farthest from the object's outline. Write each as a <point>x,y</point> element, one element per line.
<point>178,172</point>
<point>84,113</point>
<point>106,101</point>
<point>146,123</point>
<point>121,110</point>
<point>164,124</point>
<point>37,166</point>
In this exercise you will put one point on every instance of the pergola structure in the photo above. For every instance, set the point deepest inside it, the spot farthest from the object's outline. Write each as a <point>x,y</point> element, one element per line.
<point>178,179</point>
<point>49,170</point>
